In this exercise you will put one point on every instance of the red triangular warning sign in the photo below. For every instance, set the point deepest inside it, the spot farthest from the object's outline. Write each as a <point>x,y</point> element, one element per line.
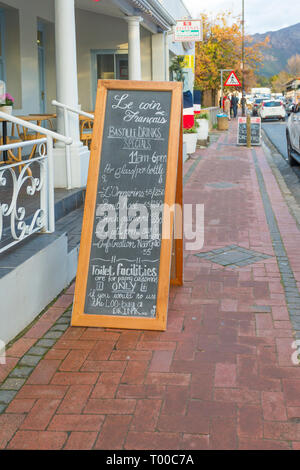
<point>232,80</point>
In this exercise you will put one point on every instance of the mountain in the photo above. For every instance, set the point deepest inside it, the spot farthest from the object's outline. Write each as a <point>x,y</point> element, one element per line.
<point>284,43</point>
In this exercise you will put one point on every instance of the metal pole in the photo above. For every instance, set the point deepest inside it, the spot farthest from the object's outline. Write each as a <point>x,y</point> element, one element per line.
<point>243,59</point>
<point>221,89</point>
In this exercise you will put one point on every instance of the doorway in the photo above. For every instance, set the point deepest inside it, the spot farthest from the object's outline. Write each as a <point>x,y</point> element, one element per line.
<point>108,65</point>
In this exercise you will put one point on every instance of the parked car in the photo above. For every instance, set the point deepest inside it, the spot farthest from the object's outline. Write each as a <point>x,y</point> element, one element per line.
<point>256,104</point>
<point>272,109</point>
<point>293,136</point>
<point>289,107</point>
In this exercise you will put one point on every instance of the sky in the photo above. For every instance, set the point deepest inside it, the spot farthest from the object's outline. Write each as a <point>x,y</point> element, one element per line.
<point>261,16</point>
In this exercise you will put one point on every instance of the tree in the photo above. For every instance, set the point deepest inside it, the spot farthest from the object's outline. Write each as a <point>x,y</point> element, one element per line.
<point>222,49</point>
<point>293,66</point>
<point>278,81</point>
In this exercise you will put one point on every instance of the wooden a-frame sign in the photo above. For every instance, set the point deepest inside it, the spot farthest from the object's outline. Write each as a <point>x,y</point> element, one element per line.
<point>136,151</point>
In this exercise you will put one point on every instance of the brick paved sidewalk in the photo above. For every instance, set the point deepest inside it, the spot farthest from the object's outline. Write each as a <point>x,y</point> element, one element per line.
<point>220,377</point>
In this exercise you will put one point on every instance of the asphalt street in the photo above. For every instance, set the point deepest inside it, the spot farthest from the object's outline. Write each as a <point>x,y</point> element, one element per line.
<point>276,132</point>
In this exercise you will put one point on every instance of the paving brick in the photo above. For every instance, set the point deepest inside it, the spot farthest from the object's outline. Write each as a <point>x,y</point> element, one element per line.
<point>250,421</point>
<point>176,400</point>
<point>128,340</point>
<point>167,378</point>
<point>195,442</point>
<point>74,378</point>
<point>130,355</point>
<point>101,351</point>
<point>110,377</point>
<point>42,391</point>
<point>36,440</point>
<point>75,399</point>
<point>76,422</point>
<point>192,424</point>
<point>40,415</point>
<point>225,375</point>
<point>20,347</point>
<point>81,441</point>
<point>73,361</point>
<point>161,361</point>
<point>152,440</point>
<point>273,406</point>
<point>23,405</point>
<point>291,390</point>
<point>8,426</point>
<point>103,366</point>
<point>223,434</point>
<point>146,415</point>
<point>110,406</point>
<point>135,372</point>
<point>113,432</point>
<point>44,372</point>
<point>262,444</point>
<point>104,390</point>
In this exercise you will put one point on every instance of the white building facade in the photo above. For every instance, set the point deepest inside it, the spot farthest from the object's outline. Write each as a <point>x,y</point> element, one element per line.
<point>58,49</point>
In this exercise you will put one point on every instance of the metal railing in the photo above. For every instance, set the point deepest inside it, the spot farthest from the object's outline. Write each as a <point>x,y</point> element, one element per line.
<point>66,110</point>
<point>27,179</point>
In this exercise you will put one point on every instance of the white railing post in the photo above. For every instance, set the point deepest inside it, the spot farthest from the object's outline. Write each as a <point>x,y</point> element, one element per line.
<point>44,189</point>
<point>67,147</point>
<point>51,204</point>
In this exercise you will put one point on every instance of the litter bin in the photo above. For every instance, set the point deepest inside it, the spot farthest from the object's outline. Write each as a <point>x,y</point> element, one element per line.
<point>223,122</point>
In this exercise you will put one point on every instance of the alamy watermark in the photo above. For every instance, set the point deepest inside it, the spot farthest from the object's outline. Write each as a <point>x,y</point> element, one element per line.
<point>151,222</point>
<point>2,353</point>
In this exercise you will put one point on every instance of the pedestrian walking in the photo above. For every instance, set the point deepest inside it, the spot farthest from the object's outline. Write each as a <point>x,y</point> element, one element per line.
<point>235,103</point>
<point>227,107</point>
<point>231,105</point>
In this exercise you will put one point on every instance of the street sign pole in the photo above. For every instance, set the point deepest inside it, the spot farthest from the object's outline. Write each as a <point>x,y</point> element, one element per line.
<point>243,61</point>
<point>222,91</point>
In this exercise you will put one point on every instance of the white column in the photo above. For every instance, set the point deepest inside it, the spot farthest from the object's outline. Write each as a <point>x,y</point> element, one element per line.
<point>134,47</point>
<point>167,56</point>
<point>158,57</point>
<point>67,93</point>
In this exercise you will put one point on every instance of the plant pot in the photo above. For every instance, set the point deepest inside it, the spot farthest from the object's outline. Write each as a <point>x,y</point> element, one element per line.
<point>6,109</point>
<point>202,129</point>
<point>191,142</point>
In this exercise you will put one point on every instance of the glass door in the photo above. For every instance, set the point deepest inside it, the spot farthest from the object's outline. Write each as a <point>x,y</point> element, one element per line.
<point>108,65</point>
<point>122,66</point>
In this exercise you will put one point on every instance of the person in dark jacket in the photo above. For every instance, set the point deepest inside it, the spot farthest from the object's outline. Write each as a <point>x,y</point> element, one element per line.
<point>234,103</point>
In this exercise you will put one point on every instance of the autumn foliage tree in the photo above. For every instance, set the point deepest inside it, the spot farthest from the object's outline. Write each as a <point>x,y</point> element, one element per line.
<point>222,49</point>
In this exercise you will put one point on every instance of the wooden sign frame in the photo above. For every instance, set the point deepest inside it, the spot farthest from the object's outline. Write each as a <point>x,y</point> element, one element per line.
<point>173,191</point>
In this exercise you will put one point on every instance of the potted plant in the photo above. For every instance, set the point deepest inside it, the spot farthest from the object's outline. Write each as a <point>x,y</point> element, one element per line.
<point>203,126</point>
<point>190,137</point>
<point>6,103</point>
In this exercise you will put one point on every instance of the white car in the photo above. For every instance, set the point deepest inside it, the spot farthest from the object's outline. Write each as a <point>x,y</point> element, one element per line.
<point>293,136</point>
<point>272,109</point>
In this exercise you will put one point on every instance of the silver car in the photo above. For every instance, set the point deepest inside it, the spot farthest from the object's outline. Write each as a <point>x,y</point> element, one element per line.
<point>293,136</point>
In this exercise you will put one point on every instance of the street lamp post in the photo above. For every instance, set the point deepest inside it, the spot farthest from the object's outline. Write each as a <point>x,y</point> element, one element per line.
<point>243,59</point>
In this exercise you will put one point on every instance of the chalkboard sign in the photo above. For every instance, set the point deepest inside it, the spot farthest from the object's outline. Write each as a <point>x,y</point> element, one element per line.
<point>124,262</point>
<point>255,131</point>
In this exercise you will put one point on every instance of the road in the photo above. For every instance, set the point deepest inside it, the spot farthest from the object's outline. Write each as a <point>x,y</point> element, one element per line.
<point>276,132</point>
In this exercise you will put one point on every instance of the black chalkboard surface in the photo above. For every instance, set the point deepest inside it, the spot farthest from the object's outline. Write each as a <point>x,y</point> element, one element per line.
<point>120,279</point>
<point>255,131</point>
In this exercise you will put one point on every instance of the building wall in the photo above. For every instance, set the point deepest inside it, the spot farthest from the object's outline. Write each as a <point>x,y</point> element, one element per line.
<point>94,32</point>
<point>21,50</point>
<point>100,32</point>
